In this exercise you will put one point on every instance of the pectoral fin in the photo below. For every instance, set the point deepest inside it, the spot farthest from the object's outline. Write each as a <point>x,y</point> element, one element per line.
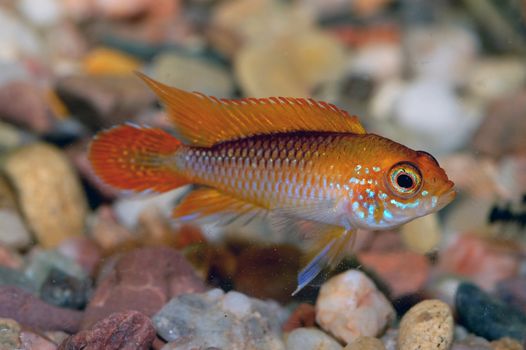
<point>328,249</point>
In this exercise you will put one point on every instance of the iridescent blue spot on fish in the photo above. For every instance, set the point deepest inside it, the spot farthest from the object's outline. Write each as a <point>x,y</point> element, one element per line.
<point>382,195</point>
<point>371,209</point>
<point>424,193</point>
<point>357,168</point>
<point>405,205</point>
<point>355,206</point>
<point>376,169</point>
<point>388,215</point>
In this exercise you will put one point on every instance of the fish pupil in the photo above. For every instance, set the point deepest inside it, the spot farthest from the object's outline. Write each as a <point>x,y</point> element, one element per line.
<point>404,181</point>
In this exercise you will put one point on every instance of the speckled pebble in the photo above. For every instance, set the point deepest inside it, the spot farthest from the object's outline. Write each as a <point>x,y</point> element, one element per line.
<point>365,343</point>
<point>349,306</point>
<point>427,325</point>
<point>311,339</point>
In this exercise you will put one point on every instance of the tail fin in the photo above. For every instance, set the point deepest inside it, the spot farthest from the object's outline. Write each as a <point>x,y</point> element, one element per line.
<point>136,158</point>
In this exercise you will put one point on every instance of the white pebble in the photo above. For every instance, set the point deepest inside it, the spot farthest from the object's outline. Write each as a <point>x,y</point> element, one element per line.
<point>349,305</point>
<point>237,304</point>
<point>311,339</point>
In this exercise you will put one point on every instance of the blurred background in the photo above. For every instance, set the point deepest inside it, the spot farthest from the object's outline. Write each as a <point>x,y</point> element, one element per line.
<point>444,76</point>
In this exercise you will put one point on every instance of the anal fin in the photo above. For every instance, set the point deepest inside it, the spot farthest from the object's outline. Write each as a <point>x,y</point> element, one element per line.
<point>331,246</point>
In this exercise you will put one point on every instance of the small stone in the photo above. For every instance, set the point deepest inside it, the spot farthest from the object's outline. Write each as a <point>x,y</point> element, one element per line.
<point>124,330</point>
<point>513,292</point>
<point>303,316</point>
<point>12,277</point>
<point>13,231</point>
<point>102,101</point>
<point>9,334</point>
<point>10,258</point>
<point>311,60</point>
<point>24,104</point>
<point>83,251</point>
<point>349,305</point>
<point>64,290</point>
<point>311,339</point>
<point>41,263</point>
<point>404,272</point>
<point>49,192</point>
<point>485,261</point>
<point>142,280</point>
<point>32,312</point>
<point>31,340</point>
<point>502,130</point>
<point>390,339</point>
<point>365,343</point>
<point>41,13</point>
<point>192,74</point>
<point>258,265</point>
<point>471,342</point>
<point>496,77</point>
<point>506,344</point>
<point>219,320</point>
<point>105,61</point>
<point>498,319</point>
<point>427,325</point>
<point>57,337</point>
<point>423,234</point>
<point>107,232</point>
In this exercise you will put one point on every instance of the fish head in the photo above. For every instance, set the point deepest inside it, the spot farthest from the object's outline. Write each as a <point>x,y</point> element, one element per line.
<point>406,185</point>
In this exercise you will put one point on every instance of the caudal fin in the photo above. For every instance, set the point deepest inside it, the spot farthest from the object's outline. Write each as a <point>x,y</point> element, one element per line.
<point>136,158</point>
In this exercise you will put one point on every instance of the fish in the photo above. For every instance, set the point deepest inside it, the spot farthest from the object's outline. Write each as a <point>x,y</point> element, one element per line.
<point>307,166</point>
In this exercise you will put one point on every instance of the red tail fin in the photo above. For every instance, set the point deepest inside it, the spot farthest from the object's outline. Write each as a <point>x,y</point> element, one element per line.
<point>136,158</point>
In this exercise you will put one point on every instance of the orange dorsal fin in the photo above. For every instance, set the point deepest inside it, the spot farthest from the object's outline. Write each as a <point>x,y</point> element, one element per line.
<point>204,121</point>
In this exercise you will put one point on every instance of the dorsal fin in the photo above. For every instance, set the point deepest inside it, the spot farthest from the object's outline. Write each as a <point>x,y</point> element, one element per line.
<point>204,121</point>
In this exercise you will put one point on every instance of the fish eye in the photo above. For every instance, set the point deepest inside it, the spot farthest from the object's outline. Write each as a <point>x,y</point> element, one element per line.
<point>405,179</point>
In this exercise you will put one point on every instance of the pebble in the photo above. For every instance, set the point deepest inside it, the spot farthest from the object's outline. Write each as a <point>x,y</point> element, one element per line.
<point>506,344</point>
<point>142,280</point>
<point>193,74</point>
<point>496,77</point>
<point>349,305</point>
<point>513,292</point>
<point>502,130</point>
<point>49,192</point>
<point>472,342</point>
<point>123,330</point>
<point>102,101</point>
<point>9,334</point>
<point>24,104</point>
<point>302,316</point>
<point>445,128</point>
<point>311,339</point>
<point>423,234</point>
<point>405,272</point>
<point>312,59</point>
<point>10,258</point>
<point>13,231</point>
<point>258,265</point>
<point>26,309</point>
<point>106,231</point>
<point>485,261</point>
<point>498,320</point>
<point>219,320</point>
<point>13,277</point>
<point>64,290</point>
<point>42,13</point>
<point>83,251</point>
<point>40,264</point>
<point>17,39</point>
<point>105,61</point>
<point>427,325</point>
<point>31,340</point>
<point>365,343</point>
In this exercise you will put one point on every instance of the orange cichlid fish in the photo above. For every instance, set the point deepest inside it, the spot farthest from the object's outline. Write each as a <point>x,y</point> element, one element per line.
<point>294,160</point>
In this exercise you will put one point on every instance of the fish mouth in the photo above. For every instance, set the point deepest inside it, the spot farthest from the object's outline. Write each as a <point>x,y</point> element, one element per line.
<point>447,195</point>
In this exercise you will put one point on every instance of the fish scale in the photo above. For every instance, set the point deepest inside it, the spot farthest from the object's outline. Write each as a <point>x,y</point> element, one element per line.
<point>270,171</point>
